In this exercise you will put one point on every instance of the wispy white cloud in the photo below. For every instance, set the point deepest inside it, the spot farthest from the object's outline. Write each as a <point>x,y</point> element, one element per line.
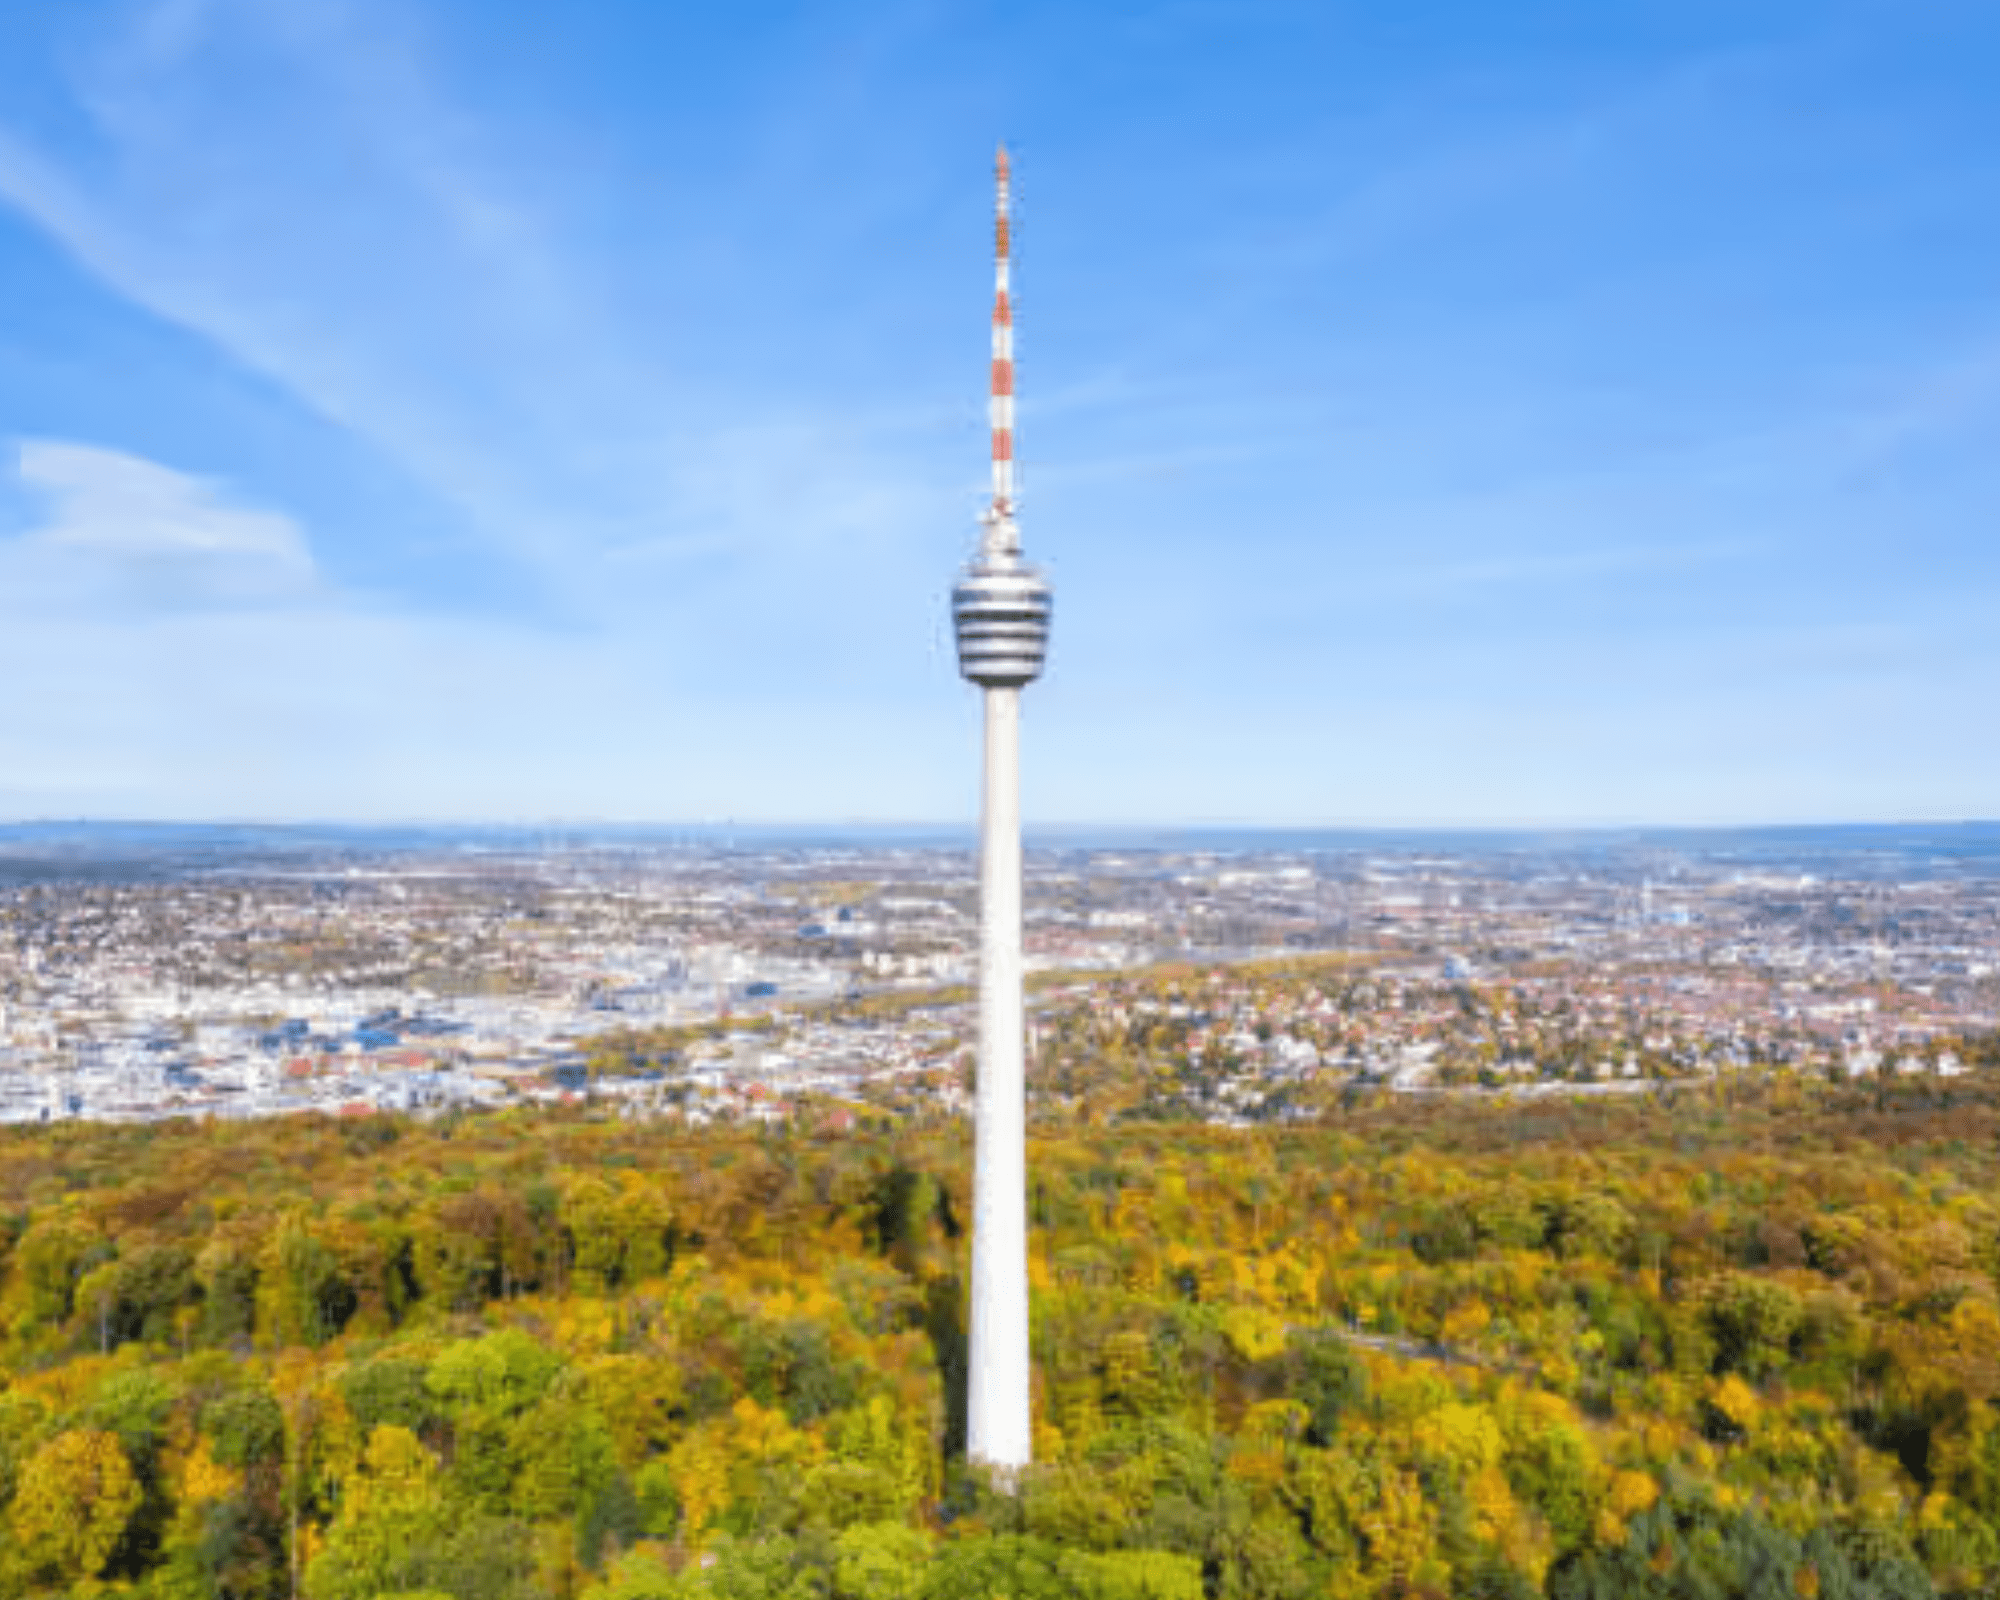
<point>297,185</point>
<point>132,533</point>
<point>421,311</point>
<point>1555,567</point>
<point>188,657</point>
<point>1441,162</point>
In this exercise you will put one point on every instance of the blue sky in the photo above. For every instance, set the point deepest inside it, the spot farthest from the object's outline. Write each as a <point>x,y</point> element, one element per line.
<point>1444,412</point>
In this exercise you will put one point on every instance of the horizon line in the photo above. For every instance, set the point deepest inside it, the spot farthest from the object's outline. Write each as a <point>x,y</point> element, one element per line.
<point>970,825</point>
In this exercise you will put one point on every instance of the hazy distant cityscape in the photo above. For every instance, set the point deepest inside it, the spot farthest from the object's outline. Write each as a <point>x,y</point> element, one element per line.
<point>149,973</point>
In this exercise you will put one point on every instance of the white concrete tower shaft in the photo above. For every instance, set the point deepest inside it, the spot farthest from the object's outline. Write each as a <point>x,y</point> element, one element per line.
<point>1002,608</point>
<point>997,1409</point>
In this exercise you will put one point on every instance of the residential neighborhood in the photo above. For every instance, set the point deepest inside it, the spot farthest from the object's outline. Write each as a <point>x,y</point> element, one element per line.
<point>703,981</point>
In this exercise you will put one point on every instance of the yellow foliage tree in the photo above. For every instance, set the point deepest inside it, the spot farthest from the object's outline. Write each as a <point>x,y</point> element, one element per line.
<point>1466,1435</point>
<point>1254,1334</point>
<point>76,1495</point>
<point>1736,1401</point>
<point>699,1466</point>
<point>203,1478</point>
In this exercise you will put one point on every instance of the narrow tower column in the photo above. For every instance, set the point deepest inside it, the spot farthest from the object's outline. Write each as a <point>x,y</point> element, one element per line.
<point>1001,609</point>
<point>997,1415</point>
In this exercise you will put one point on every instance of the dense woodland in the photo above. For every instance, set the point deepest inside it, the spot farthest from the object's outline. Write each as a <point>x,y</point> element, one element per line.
<point>1712,1342</point>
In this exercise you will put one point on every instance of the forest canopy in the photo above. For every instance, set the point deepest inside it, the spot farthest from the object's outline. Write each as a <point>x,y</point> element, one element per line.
<point>1741,1341</point>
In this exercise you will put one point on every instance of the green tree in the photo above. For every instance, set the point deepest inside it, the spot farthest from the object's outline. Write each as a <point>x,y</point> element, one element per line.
<point>880,1561</point>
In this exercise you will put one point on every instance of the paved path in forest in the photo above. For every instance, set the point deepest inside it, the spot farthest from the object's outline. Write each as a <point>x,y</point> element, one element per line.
<point>1424,1350</point>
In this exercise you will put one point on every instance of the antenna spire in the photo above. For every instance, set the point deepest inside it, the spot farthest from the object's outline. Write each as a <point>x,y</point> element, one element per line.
<point>1002,537</point>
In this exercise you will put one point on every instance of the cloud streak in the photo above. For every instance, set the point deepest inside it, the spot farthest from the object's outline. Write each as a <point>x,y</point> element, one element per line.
<point>422,313</point>
<point>436,313</point>
<point>131,533</point>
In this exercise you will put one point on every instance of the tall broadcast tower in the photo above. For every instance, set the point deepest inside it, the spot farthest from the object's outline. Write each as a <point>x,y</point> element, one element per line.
<point>1001,608</point>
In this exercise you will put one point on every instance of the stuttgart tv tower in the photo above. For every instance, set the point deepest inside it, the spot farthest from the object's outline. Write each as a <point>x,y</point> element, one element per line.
<point>1001,610</point>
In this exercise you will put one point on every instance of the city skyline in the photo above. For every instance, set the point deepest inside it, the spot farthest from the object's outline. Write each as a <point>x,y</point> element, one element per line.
<point>436,412</point>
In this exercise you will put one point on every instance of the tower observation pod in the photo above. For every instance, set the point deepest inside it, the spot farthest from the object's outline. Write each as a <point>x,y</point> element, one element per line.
<point>1000,610</point>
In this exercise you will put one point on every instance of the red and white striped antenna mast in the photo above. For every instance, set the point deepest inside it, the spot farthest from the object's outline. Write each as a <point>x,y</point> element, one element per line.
<point>1002,537</point>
